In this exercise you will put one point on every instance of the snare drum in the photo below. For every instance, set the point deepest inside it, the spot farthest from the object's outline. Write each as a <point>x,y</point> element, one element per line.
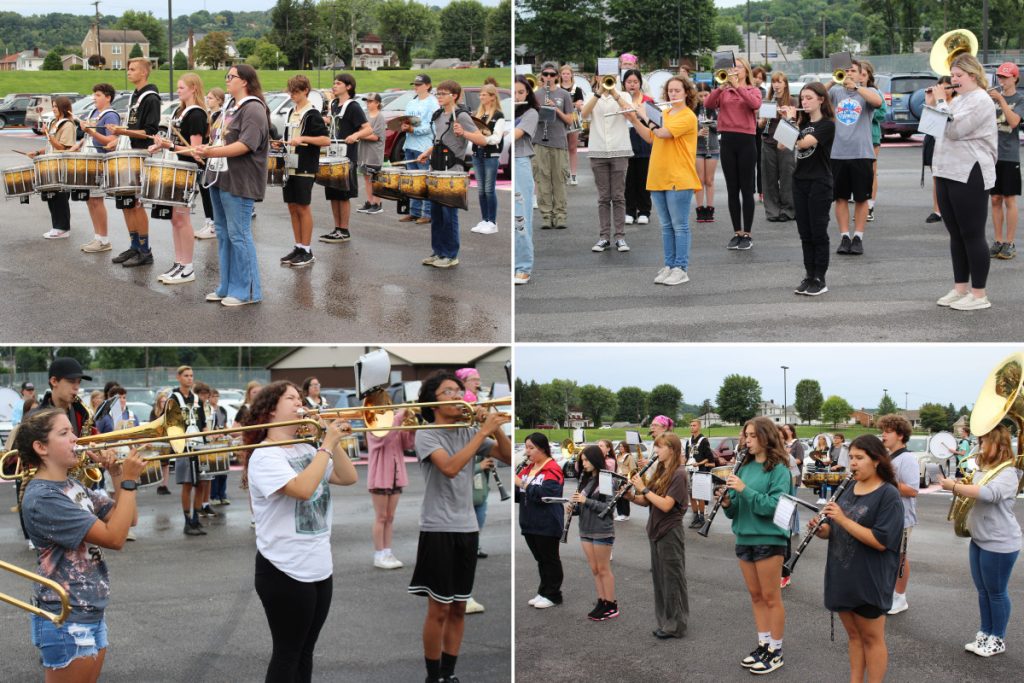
<point>449,188</point>
<point>276,175</point>
<point>169,182</point>
<point>83,171</point>
<point>48,172</point>
<point>122,172</point>
<point>413,184</point>
<point>19,181</point>
<point>387,183</point>
<point>334,172</point>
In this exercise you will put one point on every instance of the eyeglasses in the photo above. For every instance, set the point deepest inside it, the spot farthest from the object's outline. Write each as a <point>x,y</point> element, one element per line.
<point>442,93</point>
<point>227,79</point>
<point>450,392</point>
<point>548,74</point>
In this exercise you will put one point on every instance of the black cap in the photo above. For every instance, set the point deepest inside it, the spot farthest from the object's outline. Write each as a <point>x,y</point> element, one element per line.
<point>66,368</point>
<point>28,386</point>
<point>421,79</point>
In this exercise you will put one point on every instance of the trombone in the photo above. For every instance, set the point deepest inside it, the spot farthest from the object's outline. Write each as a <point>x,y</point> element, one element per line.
<point>65,605</point>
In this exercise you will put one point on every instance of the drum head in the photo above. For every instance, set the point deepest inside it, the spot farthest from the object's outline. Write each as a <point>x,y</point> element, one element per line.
<point>942,445</point>
<point>828,441</point>
<point>654,83</point>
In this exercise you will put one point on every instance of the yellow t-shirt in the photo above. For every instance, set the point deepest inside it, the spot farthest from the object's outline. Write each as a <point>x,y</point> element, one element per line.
<point>673,164</point>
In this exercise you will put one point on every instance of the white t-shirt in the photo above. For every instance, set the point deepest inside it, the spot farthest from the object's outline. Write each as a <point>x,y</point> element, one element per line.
<point>293,534</point>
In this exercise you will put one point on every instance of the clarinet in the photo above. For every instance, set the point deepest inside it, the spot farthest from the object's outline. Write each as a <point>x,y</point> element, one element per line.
<point>741,457</point>
<point>815,525</point>
<point>568,517</point>
<point>627,487</point>
<point>505,495</point>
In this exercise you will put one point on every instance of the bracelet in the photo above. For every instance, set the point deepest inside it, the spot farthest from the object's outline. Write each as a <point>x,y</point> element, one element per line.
<point>954,488</point>
<point>324,450</point>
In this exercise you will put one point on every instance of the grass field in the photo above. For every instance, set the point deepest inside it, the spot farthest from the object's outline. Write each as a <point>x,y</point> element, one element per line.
<point>616,435</point>
<point>366,81</point>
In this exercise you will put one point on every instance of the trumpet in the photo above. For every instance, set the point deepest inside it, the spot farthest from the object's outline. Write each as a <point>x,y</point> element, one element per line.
<point>65,605</point>
<point>721,76</point>
<point>531,80</point>
<point>839,76</point>
<point>608,83</point>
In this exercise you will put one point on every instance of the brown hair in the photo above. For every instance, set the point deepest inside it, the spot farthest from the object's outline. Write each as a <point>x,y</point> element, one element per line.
<point>298,83</point>
<point>451,86</point>
<point>970,65</point>
<point>827,112</point>
<point>33,428</point>
<point>666,469</point>
<point>689,91</point>
<point>874,449</point>
<point>770,438</point>
<point>1000,437</point>
<point>104,88</point>
<point>264,404</point>
<point>252,82</point>
<point>895,423</point>
<point>868,68</point>
<point>146,66</point>
<point>63,105</point>
<point>787,99</point>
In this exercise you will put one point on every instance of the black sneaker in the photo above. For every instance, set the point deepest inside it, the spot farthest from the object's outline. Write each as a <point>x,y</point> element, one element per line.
<point>871,214</point>
<point>844,245</point>
<point>804,284</point>
<point>124,256</point>
<point>745,243</point>
<point>336,235</point>
<point>857,246</point>
<point>597,611</point>
<point>375,208</point>
<point>734,243</point>
<point>193,530</point>
<point>163,491</point>
<point>303,259</point>
<point>286,260</point>
<point>365,207</point>
<point>611,610</point>
<point>207,511</point>
<point>770,661</point>
<point>816,287</point>
<point>754,657</point>
<point>994,250</point>
<point>933,218</point>
<point>141,258</point>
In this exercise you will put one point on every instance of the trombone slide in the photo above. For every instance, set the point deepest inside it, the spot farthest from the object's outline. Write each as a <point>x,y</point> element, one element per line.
<point>65,605</point>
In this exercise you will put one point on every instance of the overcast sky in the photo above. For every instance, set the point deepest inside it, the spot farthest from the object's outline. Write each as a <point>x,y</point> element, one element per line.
<point>157,7</point>
<point>930,373</point>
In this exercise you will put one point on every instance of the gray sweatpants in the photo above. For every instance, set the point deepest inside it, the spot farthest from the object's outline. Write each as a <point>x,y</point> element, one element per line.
<point>610,179</point>
<point>668,570</point>
<point>777,167</point>
<point>550,171</point>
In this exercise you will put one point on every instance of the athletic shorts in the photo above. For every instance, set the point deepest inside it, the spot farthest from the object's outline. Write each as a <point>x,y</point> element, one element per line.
<point>353,187</point>
<point>298,190</point>
<point>61,645</point>
<point>445,566</point>
<point>185,470</point>
<point>756,553</point>
<point>868,611</point>
<point>1007,179</point>
<point>852,178</point>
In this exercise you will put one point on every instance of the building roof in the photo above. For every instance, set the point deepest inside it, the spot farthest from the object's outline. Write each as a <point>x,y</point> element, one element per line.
<point>113,35</point>
<point>10,59</point>
<point>370,38</point>
<point>346,356</point>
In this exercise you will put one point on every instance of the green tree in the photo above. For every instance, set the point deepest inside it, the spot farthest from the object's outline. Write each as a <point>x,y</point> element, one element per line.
<point>563,30</point>
<point>463,29</point>
<point>245,46</point>
<point>738,398</point>
<point>343,22</point>
<point>727,33</point>
<point>136,51</point>
<point>559,396</point>
<point>154,29</point>
<point>596,402</point>
<point>529,406</point>
<point>808,400</point>
<point>631,404</point>
<point>887,406</point>
<point>266,56</point>
<point>499,32</point>
<point>33,358</point>
<point>180,61</point>
<point>934,417</point>
<point>405,24</point>
<point>295,25</point>
<point>52,61</point>
<point>212,50</point>
<point>836,409</point>
<point>664,399</point>
<point>659,30</point>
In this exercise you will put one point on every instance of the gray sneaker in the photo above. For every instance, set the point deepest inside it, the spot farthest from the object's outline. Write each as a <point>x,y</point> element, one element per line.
<point>1008,251</point>
<point>621,245</point>
<point>994,250</point>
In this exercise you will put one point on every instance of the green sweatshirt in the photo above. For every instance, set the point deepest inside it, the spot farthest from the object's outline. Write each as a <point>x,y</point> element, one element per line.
<point>752,510</point>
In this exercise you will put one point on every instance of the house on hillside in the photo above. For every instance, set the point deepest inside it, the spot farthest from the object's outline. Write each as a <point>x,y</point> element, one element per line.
<point>26,60</point>
<point>9,62</point>
<point>370,54</point>
<point>183,48</point>
<point>114,45</point>
<point>68,60</point>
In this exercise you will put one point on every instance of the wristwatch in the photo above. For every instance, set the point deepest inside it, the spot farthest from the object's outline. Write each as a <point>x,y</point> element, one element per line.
<point>129,485</point>
<point>645,491</point>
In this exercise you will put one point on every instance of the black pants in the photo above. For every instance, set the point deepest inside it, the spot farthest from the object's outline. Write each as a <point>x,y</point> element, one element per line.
<point>739,160</point>
<point>60,211</point>
<point>964,209</point>
<point>207,206</point>
<point>545,551</point>
<point>296,612</point>
<point>812,200</point>
<point>758,171</point>
<point>622,507</point>
<point>638,198</point>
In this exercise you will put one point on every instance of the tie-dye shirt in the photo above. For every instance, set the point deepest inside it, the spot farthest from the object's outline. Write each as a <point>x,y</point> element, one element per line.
<point>58,515</point>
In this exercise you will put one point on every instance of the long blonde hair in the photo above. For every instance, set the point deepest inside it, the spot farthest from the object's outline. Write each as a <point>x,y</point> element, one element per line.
<point>492,91</point>
<point>746,67</point>
<point>193,82</point>
<point>970,65</point>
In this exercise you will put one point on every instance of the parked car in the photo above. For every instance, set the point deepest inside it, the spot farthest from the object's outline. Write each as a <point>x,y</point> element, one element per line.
<point>41,104</point>
<point>165,117</point>
<point>724,448</point>
<point>12,112</point>
<point>898,90</point>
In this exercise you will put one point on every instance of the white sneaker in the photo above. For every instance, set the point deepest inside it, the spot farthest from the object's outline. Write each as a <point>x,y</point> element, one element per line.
<point>473,607</point>
<point>677,276</point>
<point>620,518</point>
<point>95,246</point>
<point>951,297</point>
<point>899,603</point>
<point>56,234</point>
<point>488,228</point>
<point>532,601</point>
<point>629,219</point>
<point>992,646</point>
<point>642,220</point>
<point>478,226</point>
<point>383,562</point>
<point>542,603</point>
<point>980,638</point>
<point>207,232</point>
<point>820,501</point>
<point>659,279</point>
<point>180,276</point>
<point>130,536</point>
<point>32,546</point>
<point>572,180</point>
<point>971,303</point>
<point>395,562</point>
<point>535,202</point>
<point>620,245</point>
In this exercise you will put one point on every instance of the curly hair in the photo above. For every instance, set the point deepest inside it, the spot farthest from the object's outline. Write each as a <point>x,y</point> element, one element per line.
<point>895,423</point>
<point>262,406</point>
<point>428,391</point>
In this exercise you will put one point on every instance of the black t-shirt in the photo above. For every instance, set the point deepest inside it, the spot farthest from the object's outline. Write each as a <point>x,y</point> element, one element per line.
<point>145,116</point>
<point>193,123</point>
<point>577,94</point>
<point>815,163</point>
<point>348,124</point>
<point>699,448</point>
<point>312,125</point>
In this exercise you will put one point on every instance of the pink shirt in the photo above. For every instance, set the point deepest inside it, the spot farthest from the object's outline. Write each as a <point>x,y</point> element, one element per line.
<point>386,468</point>
<point>737,108</point>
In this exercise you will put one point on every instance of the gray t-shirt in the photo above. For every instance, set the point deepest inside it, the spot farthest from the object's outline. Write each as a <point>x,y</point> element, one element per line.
<point>528,124</point>
<point>247,174</point>
<point>853,125</point>
<point>908,472</point>
<point>556,130</point>
<point>444,133</point>
<point>372,153</point>
<point>1009,138</point>
<point>58,515</point>
<point>991,521</point>
<point>447,502</point>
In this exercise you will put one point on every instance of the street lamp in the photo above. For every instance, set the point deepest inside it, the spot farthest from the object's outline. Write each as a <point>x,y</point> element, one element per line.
<point>785,413</point>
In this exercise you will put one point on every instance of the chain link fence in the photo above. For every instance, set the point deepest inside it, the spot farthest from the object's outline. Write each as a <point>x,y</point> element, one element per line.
<point>884,64</point>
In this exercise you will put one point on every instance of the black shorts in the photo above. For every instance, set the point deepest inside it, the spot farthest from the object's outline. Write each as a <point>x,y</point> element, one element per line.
<point>1007,179</point>
<point>445,566</point>
<point>756,553</point>
<point>852,178</point>
<point>298,190</point>
<point>353,187</point>
<point>868,611</point>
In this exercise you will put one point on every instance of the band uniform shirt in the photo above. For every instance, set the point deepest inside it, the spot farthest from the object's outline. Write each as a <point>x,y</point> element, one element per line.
<point>193,122</point>
<point>907,471</point>
<point>699,448</point>
<point>660,523</point>
<point>444,133</point>
<point>815,163</point>
<point>448,502</point>
<point>1009,138</point>
<point>991,521</point>
<point>557,130</point>
<point>418,139</point>
<point>308,123</point>
<point>64,131</point>
<point>840,455</point>
<point>856,574</point>
<point>246,175</point>
<point>293,534</point>
<point>372,153</point>
<point>144,114</point>
<point>108,117</point>
<point>853,124</point>
<point>347,124</point>
<point>195,421</point>
<point>58,515</point>
<point>673,164</point>
<point>526,122</point>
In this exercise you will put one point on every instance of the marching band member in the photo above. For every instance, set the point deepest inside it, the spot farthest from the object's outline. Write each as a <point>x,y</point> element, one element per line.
<point>526,122</point>
<point>896,431</point>
<point>698,449</point>
<point>995,537</point>
<point>567,82</point>
<point>1009,113</point>
<point>60,135</point>
<point>449,536</point>
<point>609,154</point>
<point>672,176</point>
<point>218,491</point>
<point>311,397</point>
<point>246,139</point>
<point>597,534</point>
<point>550,161</point>
<point>752,495</point>
<point>348,124</point>
<point>877,118</point>
<point>638,199</point>
<point>215,106</point>
<point>191,121</point>
<point>103,116</point>
<point>777,163</point>
<point>371,152</point>
<point>186,469</point>
<point>417,139</point>
<point>863,531</point>
<point>625,463</point>
<point>737,102</point>
<point>69,523</point>
<point>386,477</point>
<point>539,522</point>
<point>487,157</point>
<point>308,134</point>
<point>708,152</point>
<point>291,500</point>
<point>666,495</point>
<point>471,380</point>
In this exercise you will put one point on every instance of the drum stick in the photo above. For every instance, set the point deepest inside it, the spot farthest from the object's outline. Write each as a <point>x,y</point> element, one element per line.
<point>131,133</point>
<point>20,152</point>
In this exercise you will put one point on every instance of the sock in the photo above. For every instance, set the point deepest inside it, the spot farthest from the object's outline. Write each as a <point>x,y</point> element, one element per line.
<point>195,518</point>
<point>433,668</point>
<point>775,645</point>
<point>134,240</point>
<point>859,234</point>
<point>377,554</point>
<point>144,243</point>
<point>386,552</point>
<point>448,664</point>
<point>763,637</point>
<point>188,269</point>
<point>299,246</point>
<point>102,239</point>
<point>871,203</point>
<point>305,247</point>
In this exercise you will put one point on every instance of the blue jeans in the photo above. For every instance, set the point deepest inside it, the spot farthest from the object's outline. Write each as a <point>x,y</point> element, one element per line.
<point>417,207</point>
<point>219,487</point>
<point>61,645</point>
<point>444,230</point>
<point>481,511</point>
<point>524,215</point>
<point>674,213</point>
<point>486,174</point>
<point>991,574</point>
<point>239,271</point>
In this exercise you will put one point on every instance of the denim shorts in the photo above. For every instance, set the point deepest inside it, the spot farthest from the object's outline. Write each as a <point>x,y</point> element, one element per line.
<point>598,541</point>
<point>61,645</point>
<point>756,553</point>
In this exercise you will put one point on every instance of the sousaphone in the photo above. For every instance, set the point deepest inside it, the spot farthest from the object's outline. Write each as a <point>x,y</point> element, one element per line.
<point>949,46</point>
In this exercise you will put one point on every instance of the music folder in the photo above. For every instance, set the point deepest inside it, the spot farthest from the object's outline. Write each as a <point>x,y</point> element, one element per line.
<point>654,115</point>
<point>723,60</point>
<point>840,60</point>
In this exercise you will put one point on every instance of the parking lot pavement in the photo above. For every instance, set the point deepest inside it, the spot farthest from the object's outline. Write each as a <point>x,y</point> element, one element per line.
<point>183,609</point>
<point>370,288</point>
<point>888,294</point>
<point>926,643</point>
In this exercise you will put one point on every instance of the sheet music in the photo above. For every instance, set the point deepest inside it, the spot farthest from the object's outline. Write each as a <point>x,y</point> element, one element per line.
<point>577,435</point>
<point>700,486</point>
<point>768,110</point>
<point>606,483</point>
<point>607,66</point>
<point>933,122</point>
<point>786,134</point>
<point>632,437</point>
<point>654,113</point>
<point>784,512</point>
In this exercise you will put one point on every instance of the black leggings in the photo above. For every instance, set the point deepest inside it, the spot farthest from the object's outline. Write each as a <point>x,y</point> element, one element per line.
<point>545,551</point>
<point>296,611</point>
<point>964,209</point>
<point>638,198</point>
<point>812,200</point>
<point>60,211</point>
<point>739,159</point>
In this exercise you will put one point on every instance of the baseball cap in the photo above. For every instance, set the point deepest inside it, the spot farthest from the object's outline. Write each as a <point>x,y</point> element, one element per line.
<point>1008,69</point>
<point>374,96</point>
<point>28,386</point>
<point>66,368</point>
<point>421,79</point>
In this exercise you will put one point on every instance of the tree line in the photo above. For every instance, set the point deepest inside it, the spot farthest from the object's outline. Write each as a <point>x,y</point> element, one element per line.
<point>38,358</point>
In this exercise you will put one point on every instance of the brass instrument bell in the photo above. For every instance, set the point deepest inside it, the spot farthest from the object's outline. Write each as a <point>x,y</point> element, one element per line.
<point>948,47</point>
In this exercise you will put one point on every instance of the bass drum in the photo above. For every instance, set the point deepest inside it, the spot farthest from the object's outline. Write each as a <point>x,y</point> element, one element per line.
<point>942,449</point>
<point>654,83</point>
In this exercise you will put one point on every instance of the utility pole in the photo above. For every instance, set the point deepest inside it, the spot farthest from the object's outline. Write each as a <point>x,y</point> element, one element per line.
<point>748,31</point>
<point>824,50</point>
<point>96,24</point>
<point>767,28</point>
<point>170,49</point>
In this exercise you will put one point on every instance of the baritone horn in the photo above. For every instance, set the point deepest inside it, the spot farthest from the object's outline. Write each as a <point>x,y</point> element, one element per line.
<point>948,47</point>
<point>65,605</point>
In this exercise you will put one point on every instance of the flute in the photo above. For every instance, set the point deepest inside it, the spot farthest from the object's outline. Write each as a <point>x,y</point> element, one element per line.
<point>815,525</point>
<point>626,487</point>
<point>741,457</point>
<point>633,109</point>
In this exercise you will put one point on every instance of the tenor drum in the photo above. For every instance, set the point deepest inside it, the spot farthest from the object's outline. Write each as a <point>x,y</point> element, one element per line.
<point>449,188</point>
<point>152,474</point>
<point>413,184</point>
<point>386,183</point>
<point>169,182</point>
<point>83,171</point>
<point>122,172</point>
<point>212,465</point>
<point>833,478</point>
<point>19,181</point>
<point>276,175</point>
<point>48,169</point>
<point>334,172</point>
